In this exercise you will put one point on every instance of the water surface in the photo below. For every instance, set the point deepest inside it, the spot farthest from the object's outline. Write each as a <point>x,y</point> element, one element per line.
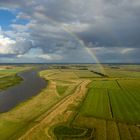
<point>30,86</point>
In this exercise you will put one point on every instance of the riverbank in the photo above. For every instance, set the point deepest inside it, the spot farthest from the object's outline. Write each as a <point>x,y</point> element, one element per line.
<point>16,122</point>
<point>9,81</point>
<point>31,85</point>
<point>9,76</point>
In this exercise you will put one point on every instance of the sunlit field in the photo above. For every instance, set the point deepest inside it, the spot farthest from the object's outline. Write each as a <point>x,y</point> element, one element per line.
<point>9,77</point>
<point>77,104</point>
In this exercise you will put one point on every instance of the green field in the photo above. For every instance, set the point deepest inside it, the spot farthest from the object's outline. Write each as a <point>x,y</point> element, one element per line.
<point>85,74</point>
<point>112,107</point>
<point>96,104</point>
<point>9,77</point>
<point>61,89</point>
<point>106,99</point>
<point>105,84</point>
<point>77,105</point>
<point>12,70</point>
<point>16,122</point>
<point>71,133</point>
<point>8,81</point>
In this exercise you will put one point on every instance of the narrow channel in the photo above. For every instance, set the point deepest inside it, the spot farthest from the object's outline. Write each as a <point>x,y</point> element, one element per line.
<point>29,87</point>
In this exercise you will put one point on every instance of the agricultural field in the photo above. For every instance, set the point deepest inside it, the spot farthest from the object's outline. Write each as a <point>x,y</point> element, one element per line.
<point>16,122</point>
<point>96,104</point>
<point>79,103</point>
<point>9,77</point>
<point>123,71</point>
<point>8,81</point>
<point>85,74</point>
<point>8,70</point>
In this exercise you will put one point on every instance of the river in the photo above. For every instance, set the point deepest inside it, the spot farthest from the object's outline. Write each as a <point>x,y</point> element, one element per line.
<point>29,87</point>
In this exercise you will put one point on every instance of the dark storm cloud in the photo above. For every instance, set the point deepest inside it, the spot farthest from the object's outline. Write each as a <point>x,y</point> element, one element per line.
<point>106,24</point>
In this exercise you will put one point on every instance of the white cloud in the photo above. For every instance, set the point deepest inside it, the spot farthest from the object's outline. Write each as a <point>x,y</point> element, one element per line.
<point>56,26</point>
<point>35,53</point>
<point>22,15</point>
<point>76,26</point>
<point>127,50</point>
<point>19,27</point>
<point>121,50</point>
<point>13,43</point>
<point>6,45</point>
<point>50,57</point>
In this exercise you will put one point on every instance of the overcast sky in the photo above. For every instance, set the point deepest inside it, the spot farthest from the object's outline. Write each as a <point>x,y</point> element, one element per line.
<point>67,30</point>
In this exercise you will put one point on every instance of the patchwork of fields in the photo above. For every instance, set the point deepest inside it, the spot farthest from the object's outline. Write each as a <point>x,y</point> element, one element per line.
<point>108,130</point>
<point>112,100</point>
<point>79,104</point>
<point>111,109</point>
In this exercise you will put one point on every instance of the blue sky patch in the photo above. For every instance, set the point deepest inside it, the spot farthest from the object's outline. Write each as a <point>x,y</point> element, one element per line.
<point>6,18</point>
<point>22,21</point>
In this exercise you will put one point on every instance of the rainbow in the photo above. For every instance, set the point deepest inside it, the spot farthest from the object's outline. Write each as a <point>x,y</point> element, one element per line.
<point>91,53</point>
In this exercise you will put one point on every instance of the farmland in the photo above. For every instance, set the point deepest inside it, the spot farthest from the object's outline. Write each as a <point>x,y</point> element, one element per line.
<point>7,81</point>
<point>114,99</point>
<point>96,104</point>
<point>80,104</point>
<point>8,76</point>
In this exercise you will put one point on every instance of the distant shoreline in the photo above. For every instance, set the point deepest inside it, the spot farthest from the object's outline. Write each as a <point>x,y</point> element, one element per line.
<point>68,63</point>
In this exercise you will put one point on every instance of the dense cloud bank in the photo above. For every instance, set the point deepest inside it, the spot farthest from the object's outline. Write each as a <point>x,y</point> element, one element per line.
<point>59,31</point>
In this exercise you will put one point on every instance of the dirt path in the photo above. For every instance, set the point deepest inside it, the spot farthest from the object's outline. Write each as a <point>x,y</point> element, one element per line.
<point>56,111</point>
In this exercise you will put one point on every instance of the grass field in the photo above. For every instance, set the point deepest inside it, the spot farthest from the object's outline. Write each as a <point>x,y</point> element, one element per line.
<point>106,99</point>
<point>120,98</point>
<point>85,74</point>
<point>125,107</point>
<point>61,89</point>
<point>123,71</point>
<point>8,81</point>
<point>79,105</point>
<point>65,133</point>
<point>17,121</point>
<point>109,130</point>
<point>112,107</point>
<point>96,104</point>
<point>12,70</point>
<point>8,76</point>
<point>105,84</point>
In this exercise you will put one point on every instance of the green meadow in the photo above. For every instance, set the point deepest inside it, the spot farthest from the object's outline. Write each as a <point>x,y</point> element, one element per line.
<point>79,103</point>
<point>9,77</point>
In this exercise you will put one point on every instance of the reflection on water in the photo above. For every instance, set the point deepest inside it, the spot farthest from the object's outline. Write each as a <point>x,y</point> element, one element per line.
<point>31,86</point>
